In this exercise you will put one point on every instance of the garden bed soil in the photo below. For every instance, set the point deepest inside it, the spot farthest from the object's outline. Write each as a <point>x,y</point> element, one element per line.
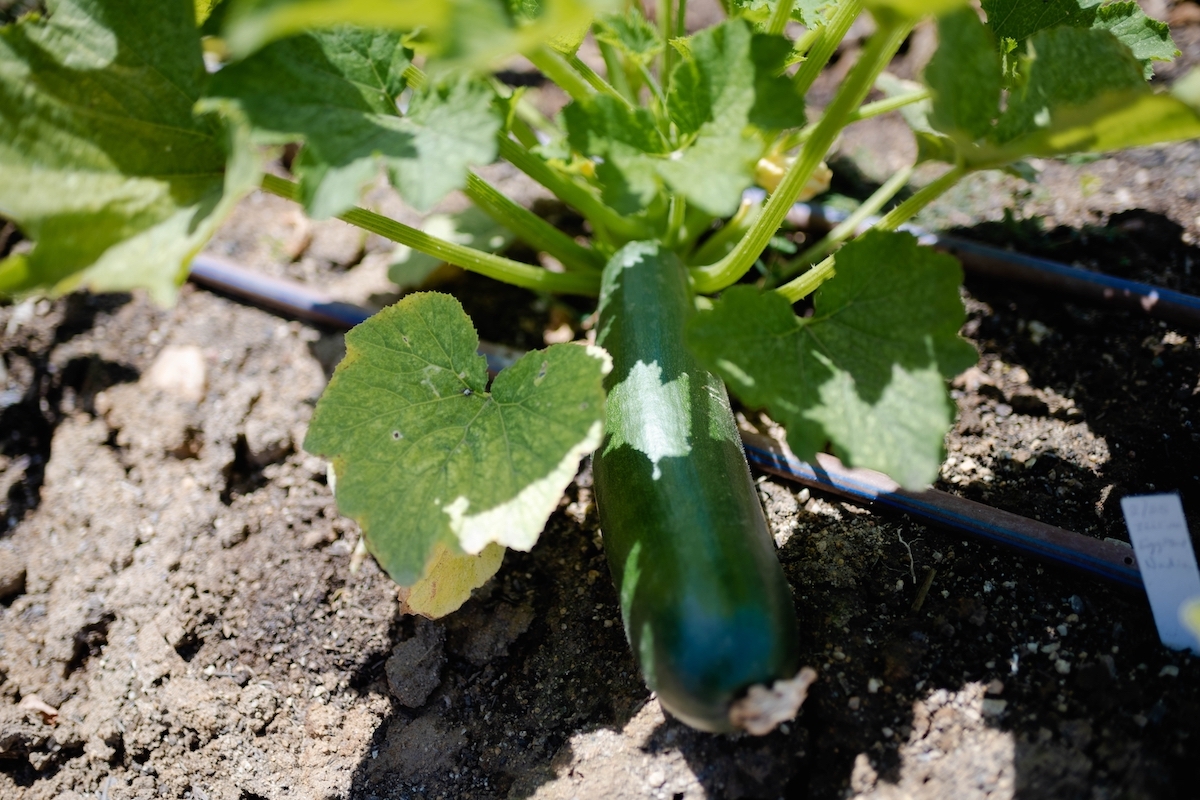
<point>183,615</point>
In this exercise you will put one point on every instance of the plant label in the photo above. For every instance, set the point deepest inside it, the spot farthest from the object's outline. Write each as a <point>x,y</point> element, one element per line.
<point>1167,562</point>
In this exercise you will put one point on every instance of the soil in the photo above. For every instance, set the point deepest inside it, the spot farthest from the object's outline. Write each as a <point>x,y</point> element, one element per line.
<point>182,614</point>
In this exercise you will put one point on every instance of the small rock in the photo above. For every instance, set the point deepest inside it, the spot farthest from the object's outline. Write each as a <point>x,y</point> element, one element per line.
<point>1062,666</point>
<point>995,686</point>
<point>179,370</point>
<point>854,703</point>
<point>12,575</point>
<point>1170,670</point>
<point>994,707</point>
<point>656,778</point>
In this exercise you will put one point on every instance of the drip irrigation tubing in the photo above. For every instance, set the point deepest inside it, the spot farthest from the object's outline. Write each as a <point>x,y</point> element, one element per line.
<point>1106,559</point>
<point>997,263</point>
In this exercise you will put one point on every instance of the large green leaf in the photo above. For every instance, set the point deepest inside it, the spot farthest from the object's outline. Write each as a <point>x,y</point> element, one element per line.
<point>471,31</point>
<point>424,454</point>
<point>337,90</point>
<point>1014,21</point>
<point>867,372</point>
<point>104,164</point>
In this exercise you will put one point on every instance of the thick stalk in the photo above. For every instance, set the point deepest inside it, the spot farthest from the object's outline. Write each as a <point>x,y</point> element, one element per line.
<point>831,35</point>
<point>851,224</point>
<point>570,192</point>
<point>552,64</point>
<point>530,228</point>
<point>497,267</point>
<point>779,17</point>
<point>875,57</point>
<point>666,29</point>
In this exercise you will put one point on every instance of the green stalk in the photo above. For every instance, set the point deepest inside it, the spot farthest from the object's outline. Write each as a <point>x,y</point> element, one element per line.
<point>851,224</point>
<point>595,81</point>
<point>551,64</point>
<point>800,288</point>
<point>497,267</point>
<point>681,19</point>
<point>875,57</point>
<point>831,35</point>
<point>865,111</point>
<point>617,76</point>
<point>666,29</point>
<point>675,217</point>
<point>570,192</point>
<point>780,17</point>
<point>530,228</point>
<point>923,197</point>
<point>720,243</point>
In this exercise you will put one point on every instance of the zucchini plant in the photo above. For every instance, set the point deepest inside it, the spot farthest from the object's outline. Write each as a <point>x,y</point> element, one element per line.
<point>121,152</point>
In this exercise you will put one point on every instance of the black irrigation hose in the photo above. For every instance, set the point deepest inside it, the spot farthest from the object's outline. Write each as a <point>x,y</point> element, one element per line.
<point>995,262</point>
<point>941,509</point>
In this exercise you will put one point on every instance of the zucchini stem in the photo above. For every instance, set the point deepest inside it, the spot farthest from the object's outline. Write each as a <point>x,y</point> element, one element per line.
<point>498,267</point>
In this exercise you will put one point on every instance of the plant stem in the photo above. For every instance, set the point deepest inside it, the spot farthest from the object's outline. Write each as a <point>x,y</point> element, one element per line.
<point>556,68</point>
<point>780,17</point>
<point>851,224</point>
<point>865,111</point>
<point>875,56</point>
<point>616,71</point>
<point>800,288</point>
<point>595,81</point>
<point>498,267</point>
<point>923,197</point>
<point>830,36</point>
<point>675,217</point>
<point>666,29</point>
<point>570,192</point>
<point>530,228</point>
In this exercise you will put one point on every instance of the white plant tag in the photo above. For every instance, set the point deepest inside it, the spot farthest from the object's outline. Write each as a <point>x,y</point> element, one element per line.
<point>1167,562</point>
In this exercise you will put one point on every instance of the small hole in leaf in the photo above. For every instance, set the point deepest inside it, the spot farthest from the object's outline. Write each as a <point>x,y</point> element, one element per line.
<point>404,338</point>
<point>397,436</point>
<point>466,392</point>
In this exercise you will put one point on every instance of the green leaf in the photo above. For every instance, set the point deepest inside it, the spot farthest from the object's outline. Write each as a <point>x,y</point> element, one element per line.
<point>1015,21</point>
<point>1148,39</point>
<point>809,13</point>
<point>631,34</point>
<point>624,140</point>
<point>965,76</point>
<point>866,373</point>
<point>729,86</point>
<point>337,90</point>
<point>104,164</point>
<point>424,454</point>
<point>476,32</point>
<point>1068,67</point>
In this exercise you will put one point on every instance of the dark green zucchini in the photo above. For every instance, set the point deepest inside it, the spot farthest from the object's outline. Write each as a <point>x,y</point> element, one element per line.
<point>706,607</point>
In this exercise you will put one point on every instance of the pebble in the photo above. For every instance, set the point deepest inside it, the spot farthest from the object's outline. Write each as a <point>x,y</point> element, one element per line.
<point>994,707</point>
<point>12,575</point>
<point>854,703</point>
<point>656,778</point>
<point>1062,666</point>
<point>874,685</point>
<point>1169,670</point>
<point>179,370</point>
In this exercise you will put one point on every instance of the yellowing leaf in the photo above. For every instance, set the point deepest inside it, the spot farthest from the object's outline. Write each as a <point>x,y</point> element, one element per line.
<point>449,580</point>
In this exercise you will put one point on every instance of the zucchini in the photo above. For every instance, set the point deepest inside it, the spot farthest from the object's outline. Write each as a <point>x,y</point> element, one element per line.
<point>706,608</point>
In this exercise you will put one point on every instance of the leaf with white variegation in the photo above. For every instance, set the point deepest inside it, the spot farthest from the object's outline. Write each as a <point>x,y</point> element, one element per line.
<point>427,456</point>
